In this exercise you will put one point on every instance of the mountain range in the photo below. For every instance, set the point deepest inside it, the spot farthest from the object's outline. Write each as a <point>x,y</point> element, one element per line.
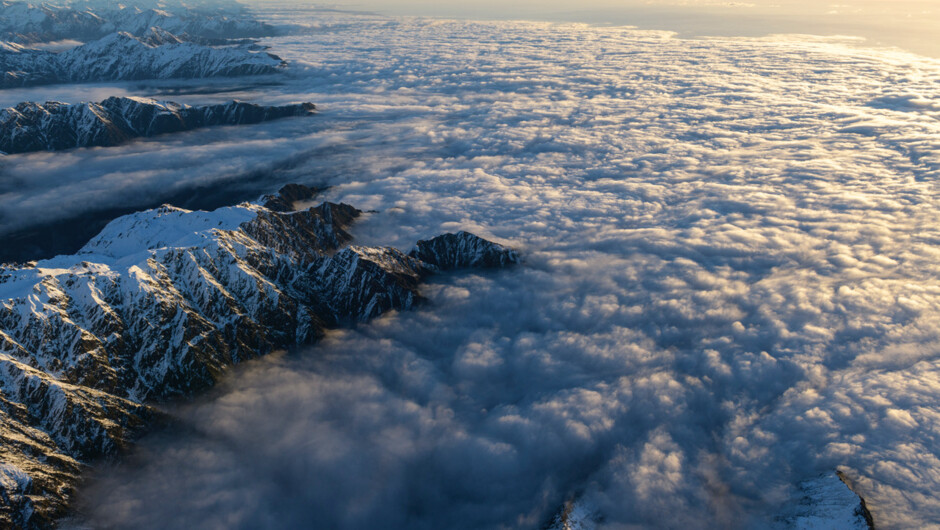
<point>53,126</point>
<point>28,23</point>
<point>159,305</point>
<point>125,57</point>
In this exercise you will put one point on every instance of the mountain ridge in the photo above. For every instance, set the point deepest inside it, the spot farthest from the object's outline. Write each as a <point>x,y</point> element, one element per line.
<point>28,23</point>
<point>159,305</point>
<point>53,126</point>
<point>122,56</point>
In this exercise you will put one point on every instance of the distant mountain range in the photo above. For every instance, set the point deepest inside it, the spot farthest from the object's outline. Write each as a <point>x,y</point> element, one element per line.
<point>27,23</point>
<point>53,126</point>
<point>159,304</point>
<point>122,57</point>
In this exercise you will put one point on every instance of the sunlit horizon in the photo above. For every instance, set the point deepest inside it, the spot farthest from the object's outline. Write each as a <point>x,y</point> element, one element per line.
<point>910,25</point>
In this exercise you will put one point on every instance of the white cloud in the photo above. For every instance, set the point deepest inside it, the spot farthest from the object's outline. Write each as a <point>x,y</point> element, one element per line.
<point>729,286</point>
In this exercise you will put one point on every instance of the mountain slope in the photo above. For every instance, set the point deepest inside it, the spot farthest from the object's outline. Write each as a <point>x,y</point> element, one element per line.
<point>124,57</point>
<point>159,305</point>
<point>53,126</point>
<point>827,501</point>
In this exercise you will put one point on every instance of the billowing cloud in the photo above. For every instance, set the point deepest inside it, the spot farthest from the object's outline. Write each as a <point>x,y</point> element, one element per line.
<point>730,287</point>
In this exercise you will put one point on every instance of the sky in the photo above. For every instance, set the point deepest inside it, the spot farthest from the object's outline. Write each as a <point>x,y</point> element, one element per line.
<point>729,283</point>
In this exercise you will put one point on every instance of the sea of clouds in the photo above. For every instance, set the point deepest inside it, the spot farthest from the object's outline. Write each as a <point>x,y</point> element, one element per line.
<point>730,283</point>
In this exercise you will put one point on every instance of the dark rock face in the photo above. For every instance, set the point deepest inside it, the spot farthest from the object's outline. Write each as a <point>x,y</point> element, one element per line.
<point>26,23</point>
<point>124,57</point>
<point>54,126</point>
<point>462,250</point>
<point>159,305</point>
<point>286,197</point>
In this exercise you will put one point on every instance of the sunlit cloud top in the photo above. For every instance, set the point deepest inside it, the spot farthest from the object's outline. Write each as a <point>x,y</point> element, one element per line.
<point>908,24</point>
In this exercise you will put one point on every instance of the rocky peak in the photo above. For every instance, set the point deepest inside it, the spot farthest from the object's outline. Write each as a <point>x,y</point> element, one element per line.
<point>462,250</point>
<point>288,196</point>
<point>576,514</point>
<point>158,37</point>
<point>160,304</point>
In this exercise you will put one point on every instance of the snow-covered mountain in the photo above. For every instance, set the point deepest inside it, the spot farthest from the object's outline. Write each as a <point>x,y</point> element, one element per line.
<point>158,305</point>
<point>461,250</point>
<point>828,502</point>
<point>26,23</point>
<point>825,502</point>
<point>576,514</point>
<point>53,126</point>
<point>122,56</point>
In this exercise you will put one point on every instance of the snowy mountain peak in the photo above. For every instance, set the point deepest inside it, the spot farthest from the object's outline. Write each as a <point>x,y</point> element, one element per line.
<point>120,56</point>
<point>11,47</point>
<point>156,36</point>
<point>158,305</point>
<point>163,227</point>
<point>577,514</point>
<point>27,23</point>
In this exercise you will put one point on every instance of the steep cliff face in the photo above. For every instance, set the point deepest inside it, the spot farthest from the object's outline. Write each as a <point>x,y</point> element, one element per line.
<point>25,23</point>
<point>124,57</point>
<point>53,126</point>
<point>159,305</point>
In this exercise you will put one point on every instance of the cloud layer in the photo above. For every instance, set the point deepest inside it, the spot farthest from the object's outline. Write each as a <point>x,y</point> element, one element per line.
<point>730,286</point>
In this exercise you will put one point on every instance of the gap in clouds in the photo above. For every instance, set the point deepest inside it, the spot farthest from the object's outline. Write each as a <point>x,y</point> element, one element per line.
<point>43,195</point>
